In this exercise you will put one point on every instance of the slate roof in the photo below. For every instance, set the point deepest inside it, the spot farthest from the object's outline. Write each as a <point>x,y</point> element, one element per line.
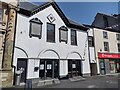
<point>71,22</point>
<point>112,20</point>
<point>27,5</point>
<point>90,26</point>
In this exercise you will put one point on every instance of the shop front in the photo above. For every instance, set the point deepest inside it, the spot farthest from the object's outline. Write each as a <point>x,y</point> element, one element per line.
<point>74,68</point>
<point>49,69</point>
<point>109,63</point>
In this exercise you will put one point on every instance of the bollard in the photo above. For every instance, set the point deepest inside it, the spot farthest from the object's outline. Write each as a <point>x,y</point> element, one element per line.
<point>18,78</point>
<point>28,85</point>
<point>18,75</point>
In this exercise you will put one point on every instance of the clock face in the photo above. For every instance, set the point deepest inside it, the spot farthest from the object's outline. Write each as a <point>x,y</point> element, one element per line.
<point>51,18</point>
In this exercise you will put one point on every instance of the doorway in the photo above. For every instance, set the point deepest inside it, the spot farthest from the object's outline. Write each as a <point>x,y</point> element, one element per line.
<point>74,68</point>
<point>22,63</point>
<point>117,63</point>
<point>102,67</point>
<point>49,69</point>
<point>93,67</point>
<point>114,65</point>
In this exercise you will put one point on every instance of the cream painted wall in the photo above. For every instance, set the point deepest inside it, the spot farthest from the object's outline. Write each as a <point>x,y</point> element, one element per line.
<point>99,42</point>
<point>98,34</point>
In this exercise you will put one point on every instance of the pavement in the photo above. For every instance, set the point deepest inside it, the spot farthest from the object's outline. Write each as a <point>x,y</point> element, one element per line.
<point>99,81</point>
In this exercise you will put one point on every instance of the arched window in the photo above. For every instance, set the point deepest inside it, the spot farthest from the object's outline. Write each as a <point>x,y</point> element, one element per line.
<point>35,28</point>
<point>63,34</point>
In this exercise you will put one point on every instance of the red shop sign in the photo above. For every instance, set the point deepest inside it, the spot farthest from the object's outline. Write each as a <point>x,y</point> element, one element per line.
<point>109,55</point>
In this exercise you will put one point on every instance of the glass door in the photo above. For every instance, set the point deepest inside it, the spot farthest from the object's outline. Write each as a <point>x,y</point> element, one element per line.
<point>102,66</point>
<point>112,67</point>
<point>74,68</point>
<point>56,68</point>
<point>42,69</point>
<point>49,69</point>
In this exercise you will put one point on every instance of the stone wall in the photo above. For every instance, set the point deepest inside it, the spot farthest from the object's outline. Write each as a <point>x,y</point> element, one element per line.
<point>6,78</point>
<point>6,74</point>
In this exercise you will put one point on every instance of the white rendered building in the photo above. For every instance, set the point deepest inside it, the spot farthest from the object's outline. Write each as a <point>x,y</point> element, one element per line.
<point>49,45</point>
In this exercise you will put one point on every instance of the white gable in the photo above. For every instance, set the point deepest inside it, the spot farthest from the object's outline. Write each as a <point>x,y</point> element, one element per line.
<point>43,14</point>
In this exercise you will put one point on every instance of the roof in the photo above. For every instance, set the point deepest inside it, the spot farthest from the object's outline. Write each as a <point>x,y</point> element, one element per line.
<point>104,14</point>
<point>27,5</point>
<point>73,23</point>
<point>30,9</point>
<point>109,22</point>
<point>111,30</point>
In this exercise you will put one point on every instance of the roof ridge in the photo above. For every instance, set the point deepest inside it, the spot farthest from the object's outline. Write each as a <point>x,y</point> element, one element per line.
<point>106,14</point>
<point>40,6</point>
<point>28,1</point>
<point>75,21</point>
<point>32,3</point>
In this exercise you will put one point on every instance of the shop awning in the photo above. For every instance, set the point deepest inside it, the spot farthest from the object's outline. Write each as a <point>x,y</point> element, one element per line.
<point>109,55</point>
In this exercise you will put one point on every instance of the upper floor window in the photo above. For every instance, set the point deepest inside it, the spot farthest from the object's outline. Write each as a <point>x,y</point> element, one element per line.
<point>118,47</point>
<point>105,35</point>
<point>106,46</point>
<point>35,28</point>
<point>73,37</point>
<point>63,34</point>
<point>50,32</point>
<point>90,41</point>
<point>1,15</point>
<point>118,37</point>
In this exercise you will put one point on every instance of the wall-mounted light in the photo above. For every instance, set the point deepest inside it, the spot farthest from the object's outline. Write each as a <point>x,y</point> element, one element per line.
<point>100,50</point>
<point>36,69</point>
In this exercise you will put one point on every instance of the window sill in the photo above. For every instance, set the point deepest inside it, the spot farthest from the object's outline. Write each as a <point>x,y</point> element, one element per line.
<point>91,46</point>
<point>50,42</point>
<point>64,41</point>
<point>105,38</point>
<point>74,45</point>
<point>37,36</point>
